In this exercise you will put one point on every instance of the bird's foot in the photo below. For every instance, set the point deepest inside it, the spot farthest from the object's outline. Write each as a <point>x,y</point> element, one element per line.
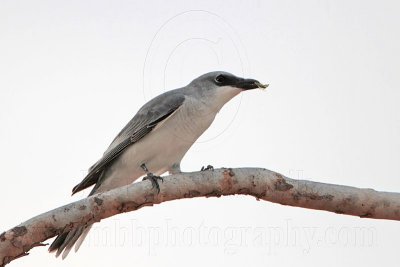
<point>208,168</point>
<point>153,179</point>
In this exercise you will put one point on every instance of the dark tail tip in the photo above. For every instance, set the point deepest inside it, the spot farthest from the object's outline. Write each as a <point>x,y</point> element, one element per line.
<point>58,242</point>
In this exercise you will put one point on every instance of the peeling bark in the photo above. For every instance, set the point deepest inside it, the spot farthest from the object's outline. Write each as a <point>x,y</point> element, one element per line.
<point>260,183</point>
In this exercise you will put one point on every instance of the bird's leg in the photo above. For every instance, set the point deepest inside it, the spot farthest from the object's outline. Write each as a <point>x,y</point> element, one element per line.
<point>175,169</point>
<point>153,178</point>
<point>208,168</point>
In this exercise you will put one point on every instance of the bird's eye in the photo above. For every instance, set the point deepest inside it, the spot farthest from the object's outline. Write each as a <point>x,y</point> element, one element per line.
<point>220,79</point>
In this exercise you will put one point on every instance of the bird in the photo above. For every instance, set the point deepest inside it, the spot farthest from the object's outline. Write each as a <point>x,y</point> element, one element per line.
<point>155,140</point>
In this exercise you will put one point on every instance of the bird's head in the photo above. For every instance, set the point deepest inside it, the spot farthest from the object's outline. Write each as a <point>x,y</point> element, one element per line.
<point>219,87</point>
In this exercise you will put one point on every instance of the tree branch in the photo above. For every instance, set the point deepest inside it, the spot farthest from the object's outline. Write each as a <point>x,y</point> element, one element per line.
<point>260,183</point>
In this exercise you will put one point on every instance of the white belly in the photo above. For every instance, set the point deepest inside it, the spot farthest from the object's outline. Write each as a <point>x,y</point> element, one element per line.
<point>163,147</point>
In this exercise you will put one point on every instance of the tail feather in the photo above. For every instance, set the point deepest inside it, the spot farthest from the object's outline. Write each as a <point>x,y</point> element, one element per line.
<point>66,240</point>
<point>58,241</point>
<point>82,237</point>
<point>70,243</point>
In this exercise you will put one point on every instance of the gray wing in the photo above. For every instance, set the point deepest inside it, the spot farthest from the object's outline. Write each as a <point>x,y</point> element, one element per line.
<point>152,113</point>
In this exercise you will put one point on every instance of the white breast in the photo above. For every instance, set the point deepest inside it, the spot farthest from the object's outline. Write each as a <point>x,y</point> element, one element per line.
<point>163,147</point>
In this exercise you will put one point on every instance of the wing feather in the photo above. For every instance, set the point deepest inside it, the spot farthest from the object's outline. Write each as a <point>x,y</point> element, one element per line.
<point>152,113</point>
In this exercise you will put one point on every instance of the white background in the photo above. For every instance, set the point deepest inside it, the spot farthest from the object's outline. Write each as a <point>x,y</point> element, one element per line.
<point>72,73</point>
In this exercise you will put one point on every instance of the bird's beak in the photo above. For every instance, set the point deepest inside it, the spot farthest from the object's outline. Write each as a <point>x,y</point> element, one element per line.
<point>248,84</point>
